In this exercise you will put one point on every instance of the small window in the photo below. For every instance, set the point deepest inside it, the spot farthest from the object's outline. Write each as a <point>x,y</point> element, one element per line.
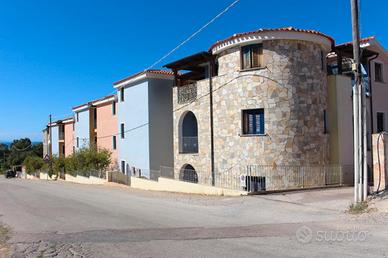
<point>253,121</point>
<point>378,72</point>
<point>380,122</point>
<point>252,56</point>
<point>114,108</point>
<point>77,115</point>
<point>95,118</point>
<point>77,142</point>
<point>322,61</point>
<point>325,122</point>
<point>73,126</point>
<point>122,94</point>
<point>123,167</point>
<point>114,142</point>
<point>122,131</point>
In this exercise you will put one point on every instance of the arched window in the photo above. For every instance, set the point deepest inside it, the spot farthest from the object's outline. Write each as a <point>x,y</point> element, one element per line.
<point>188,129</point>
<point>188,174</point>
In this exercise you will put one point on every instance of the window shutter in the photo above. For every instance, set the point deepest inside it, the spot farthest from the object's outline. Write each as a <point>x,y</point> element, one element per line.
<point>246,58</point>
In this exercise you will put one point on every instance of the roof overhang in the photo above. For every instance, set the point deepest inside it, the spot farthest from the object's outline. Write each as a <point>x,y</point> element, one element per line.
<point>190,63</point>
<point>80,108</point>
<point>273,34</point>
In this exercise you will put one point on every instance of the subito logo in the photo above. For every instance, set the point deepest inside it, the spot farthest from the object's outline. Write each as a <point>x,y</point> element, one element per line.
<point>304,235</point>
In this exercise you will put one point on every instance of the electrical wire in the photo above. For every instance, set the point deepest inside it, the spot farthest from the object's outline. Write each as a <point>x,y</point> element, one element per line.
<point>194,34</point>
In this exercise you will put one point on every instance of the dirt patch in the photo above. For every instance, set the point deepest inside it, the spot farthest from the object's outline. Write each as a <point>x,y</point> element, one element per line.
<point>4,237</point>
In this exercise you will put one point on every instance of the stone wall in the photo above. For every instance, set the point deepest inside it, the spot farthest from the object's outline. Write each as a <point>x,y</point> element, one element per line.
<point>292,89</point>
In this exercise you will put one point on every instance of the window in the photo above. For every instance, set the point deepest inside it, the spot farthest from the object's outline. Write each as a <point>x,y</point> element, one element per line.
<point>114,108</point>
<point>73,126</point>
<point>325,122</point>
<point>322,61</point>
<point>252,56</point>
<point>123,166</point>
<point>380,122</point>
<point>122,131</point>
<point>253,121</point>
<point>114,142</point>
<point>77,115</point>
<point>63,149</point>
<point>95,140</point>
<point>122,94</point>
<point>77,142</point>
<point>378,72</point>
<point>95,118</point>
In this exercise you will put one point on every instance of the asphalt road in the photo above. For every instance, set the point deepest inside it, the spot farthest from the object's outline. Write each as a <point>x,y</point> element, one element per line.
<point>59,219</point>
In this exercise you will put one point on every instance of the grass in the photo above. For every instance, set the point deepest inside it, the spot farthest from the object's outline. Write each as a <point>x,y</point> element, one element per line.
<point>358,208</point>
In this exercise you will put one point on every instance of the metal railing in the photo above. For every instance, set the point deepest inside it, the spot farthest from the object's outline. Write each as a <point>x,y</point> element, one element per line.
<point>261,178</point>
<point>187,93</point>
<point>188,144</point>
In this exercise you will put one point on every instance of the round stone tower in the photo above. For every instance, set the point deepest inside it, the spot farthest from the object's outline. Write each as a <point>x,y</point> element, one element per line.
<point>281,75</point>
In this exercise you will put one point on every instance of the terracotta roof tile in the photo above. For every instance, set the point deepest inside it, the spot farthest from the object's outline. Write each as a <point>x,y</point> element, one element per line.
<point>362,41</point>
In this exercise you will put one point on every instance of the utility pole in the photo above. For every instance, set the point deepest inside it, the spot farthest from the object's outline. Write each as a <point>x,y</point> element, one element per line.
<point>359,114</point>
<point>51,145</point>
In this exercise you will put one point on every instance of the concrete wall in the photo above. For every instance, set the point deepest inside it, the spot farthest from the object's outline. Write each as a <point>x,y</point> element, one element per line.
<point>340,120</point>
<point>161,124</point>
<point>107,125</point>
<point>69,138</point>
<point>171,185</point>
<point>55,140</point>
<point>133,112</point>
<point>85,180</point>
<point>82,129</point>
<point>379,89</point>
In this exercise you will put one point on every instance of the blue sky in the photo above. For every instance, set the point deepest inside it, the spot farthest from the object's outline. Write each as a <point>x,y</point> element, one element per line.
<point>58,54</point>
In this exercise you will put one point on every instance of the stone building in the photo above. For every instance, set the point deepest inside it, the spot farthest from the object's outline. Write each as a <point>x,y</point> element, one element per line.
<point>254,98</point>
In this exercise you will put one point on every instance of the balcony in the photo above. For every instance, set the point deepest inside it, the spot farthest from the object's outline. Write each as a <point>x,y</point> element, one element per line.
<point>188,144</point>
<point>187,93</point>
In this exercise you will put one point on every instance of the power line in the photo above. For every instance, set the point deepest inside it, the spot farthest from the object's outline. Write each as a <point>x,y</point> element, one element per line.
<point>194,34</point>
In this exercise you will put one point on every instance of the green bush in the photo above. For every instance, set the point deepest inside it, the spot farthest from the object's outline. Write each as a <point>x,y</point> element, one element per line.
<point>87,160</point>
<point>34,164</point>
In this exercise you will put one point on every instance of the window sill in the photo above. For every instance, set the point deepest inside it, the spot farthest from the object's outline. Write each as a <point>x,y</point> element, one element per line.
<point>253,69</point>
<point>253,135</point>
<point>189,153</point>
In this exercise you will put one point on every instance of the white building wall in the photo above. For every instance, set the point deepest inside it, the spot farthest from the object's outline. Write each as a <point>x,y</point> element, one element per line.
<point>133,112</point>
<point>81,129</point>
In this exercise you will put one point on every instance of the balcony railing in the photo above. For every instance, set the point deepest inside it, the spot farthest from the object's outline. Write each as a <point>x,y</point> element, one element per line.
<point>189,144</point>
<point>187,93</point>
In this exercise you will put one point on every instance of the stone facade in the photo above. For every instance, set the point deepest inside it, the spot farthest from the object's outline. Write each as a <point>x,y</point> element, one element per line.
<point>291,87</point>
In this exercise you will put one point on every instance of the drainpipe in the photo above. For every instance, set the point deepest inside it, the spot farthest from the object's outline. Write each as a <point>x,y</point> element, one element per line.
<point>371,103</point>
<point>211,67</point>
<point>370,89</point>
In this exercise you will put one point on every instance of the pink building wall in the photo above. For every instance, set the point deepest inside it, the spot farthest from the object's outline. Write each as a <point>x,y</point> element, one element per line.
<point>69,138</point>
<point>107,127</point>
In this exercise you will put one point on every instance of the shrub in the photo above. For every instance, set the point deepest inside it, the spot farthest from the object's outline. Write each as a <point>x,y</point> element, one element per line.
<point>34,164</point>
<point>88,160</point>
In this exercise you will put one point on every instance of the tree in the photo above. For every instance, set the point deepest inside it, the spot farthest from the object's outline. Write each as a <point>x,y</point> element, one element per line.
<point>4,153</point>
<point>34,164</point>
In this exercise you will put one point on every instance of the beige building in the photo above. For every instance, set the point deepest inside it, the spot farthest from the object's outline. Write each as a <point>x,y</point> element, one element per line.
<point>254,98</point>
<point>375,64</point>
